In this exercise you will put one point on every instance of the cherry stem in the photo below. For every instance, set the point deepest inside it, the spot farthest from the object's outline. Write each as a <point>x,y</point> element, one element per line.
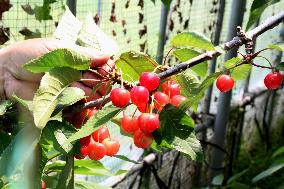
<point>107,91</point>
<point>256,65</point>
<point>166,57</point>
<point>97,73</point>
<point>267,61</point>
<point>134,112</point>
<point>121,80</point>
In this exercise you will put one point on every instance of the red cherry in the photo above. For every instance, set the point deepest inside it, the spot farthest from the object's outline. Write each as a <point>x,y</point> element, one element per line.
<point>101,134</point>
<point>129,124</point>
<point>120,97</point>
<point>177,99</point>
<point>112,146</point>
<point>142,140</point>
<point>171,88</point>
<point>161,99</point>
<point>273,80</point>
<point>142,108</point>
<point>139,95</point>
<point>84,151</point>
<point>96,151</point>
<point>149,80</point>
<point>92,112</point>
<point>148,122</point>
<point>85,140</point>
<point>225,83</point>
<point>42,184</point>
<point>80,117</point>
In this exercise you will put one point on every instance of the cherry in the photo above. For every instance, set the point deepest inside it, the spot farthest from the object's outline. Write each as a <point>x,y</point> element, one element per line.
<point>142,140</point>
<point>142,108</point>
<point>92,112</point>
<point>84,151</point>
<point>112,146</point>
<point>101,134</point>
<point>120,97</point>
<point>273,80</point>
<point>139,95</point>
<point>85,140</point>
<point>80,117</point>
<point>225,83</point>
<point>96,151</point>
<point>148,122</point>
<point>149,80</point>
<point>171,88</point>
<point>129,124</point>
<point>161,99</point>
<point>42,184</point>
<point>177,99</point>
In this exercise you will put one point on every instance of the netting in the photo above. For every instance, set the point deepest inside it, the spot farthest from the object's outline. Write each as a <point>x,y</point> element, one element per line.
<point>135,25</point>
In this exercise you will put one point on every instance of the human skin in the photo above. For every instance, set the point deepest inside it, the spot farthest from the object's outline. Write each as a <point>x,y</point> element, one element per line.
<point>16,80</point>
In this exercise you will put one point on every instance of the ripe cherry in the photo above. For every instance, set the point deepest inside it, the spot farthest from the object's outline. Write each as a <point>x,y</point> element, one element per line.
<point>161,99</point>
<point>112,146</point>
<point>120,97</point>
<point>101,134</point>
<point>142,108</point>
<point>149,80</point>
<point>42,184</point>
<point>142,140</point>
<point>171,88</point>
<point>139,95</point>
<point>129,124</point>
<point>96,151</point>
<point>273,80</point>
<point>177,99</point>
<point>225,83</point>
<point>148,122</point>
<point>92,112</point>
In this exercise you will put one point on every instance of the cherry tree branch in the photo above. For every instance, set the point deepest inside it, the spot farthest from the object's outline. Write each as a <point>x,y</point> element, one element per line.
<point>268,24</point>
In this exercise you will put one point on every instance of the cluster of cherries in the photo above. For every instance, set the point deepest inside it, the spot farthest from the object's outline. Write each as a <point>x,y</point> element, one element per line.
<point>99,143</point>
<point>272,81</point>
<point>147,100</point>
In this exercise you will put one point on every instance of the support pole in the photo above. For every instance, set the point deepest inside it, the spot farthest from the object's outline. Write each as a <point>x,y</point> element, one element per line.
<point>223,108</point>
<point>162,33</point>
<point>72,6</point>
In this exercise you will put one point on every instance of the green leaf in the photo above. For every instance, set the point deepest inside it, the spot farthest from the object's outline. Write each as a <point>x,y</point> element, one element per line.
<point>25,103</point>
<point>279,47</point>
<point>89,185</point>
<point>192,39</point>
<point>257,8</point>
<point>218,180</point>
<point>100,118</point>
<point>280,66</point>
<point>236,176</point>
<point>66,177</point>
<point>5,141</point>
<point>232,62</point>
<point>4,106</point>
<point>47,97</point>
<point>166,2</point>
<point>241,72</point>
<point>197,93</point>
<point>187,83</point>
<point>267,172</point>
<point>187,54</point>
<point>58,58</point>
<point>176,133</point>
<point>124,158</point>
<point>278,152</point>
<point>43,12</point>
<point>132,64</point>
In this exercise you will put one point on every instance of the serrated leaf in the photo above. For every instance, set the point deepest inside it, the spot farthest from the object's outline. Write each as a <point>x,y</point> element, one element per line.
<point>192,39</point>
<point>4,106</point>
<point>58,58</point>
<point>197,93</point>
<point>43,12</point>
<point>187,83</point>
<point>103,116</point>
<point>232,62</point>
<point>124,158</point>
<point>257,8</point>
<point>176,133</point>
<point>51,88</point>
<point>267,172</point>
<point>279,47</point>
<point>241,72</point>
<point>187,54</point>
<point>132,64</point>
<point>66,177</point>
<point>280,66</point>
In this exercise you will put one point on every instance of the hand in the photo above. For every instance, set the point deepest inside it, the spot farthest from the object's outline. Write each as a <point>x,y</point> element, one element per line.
<point>18,81</point>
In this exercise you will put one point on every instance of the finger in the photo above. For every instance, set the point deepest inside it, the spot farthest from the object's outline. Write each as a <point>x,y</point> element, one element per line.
<point>106,68</point>
<point>99,60</point>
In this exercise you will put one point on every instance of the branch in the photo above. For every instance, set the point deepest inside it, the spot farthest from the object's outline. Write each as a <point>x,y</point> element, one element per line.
<point>235,42</point>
